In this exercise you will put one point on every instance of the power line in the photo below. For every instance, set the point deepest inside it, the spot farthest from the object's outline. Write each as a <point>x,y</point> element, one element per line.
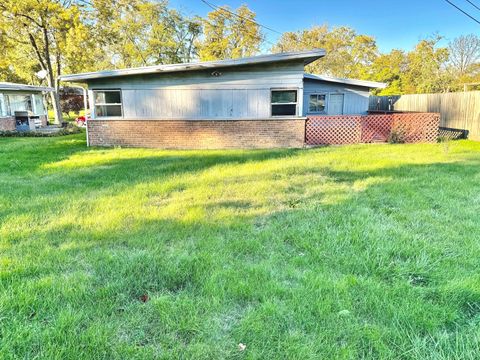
<point>463,11</point>
<point>473,4</point>
<point>215,7</point>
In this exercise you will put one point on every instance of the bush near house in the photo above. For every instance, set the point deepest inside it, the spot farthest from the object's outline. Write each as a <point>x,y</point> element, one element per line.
<point>364,251</point>
<point>67,130</point>
<point>72,104</point>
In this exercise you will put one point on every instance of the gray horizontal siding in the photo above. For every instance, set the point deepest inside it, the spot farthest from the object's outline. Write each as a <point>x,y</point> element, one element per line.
<point>196,103</point>
<point>243,93</point>
<point>355,101</point>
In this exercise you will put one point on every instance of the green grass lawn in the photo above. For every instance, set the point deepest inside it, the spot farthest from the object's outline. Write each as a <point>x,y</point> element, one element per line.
<point>367,251</point>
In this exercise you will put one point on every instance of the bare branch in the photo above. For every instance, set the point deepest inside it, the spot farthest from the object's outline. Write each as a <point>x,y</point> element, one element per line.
<point>28,17</point>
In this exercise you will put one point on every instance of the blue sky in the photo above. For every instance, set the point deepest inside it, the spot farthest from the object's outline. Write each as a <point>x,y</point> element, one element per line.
<point>394,24</point>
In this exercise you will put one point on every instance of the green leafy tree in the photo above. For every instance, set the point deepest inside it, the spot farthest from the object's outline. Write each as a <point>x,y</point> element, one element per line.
<point>16,63</point>
<point>173,40</point>
<point>348,54</point>
<point>143,32</point>
<point>230,35</point>
<point>215,43</point>
<point>71,36</point>
<point>422,70</point>
<point>120,30</point>
<point>389,68</point>
<point>426,72</point>
<point>45,29</point>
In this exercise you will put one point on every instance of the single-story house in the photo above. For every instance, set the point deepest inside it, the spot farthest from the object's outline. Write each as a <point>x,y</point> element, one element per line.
<point>22,106</point>
<point>254,102</point>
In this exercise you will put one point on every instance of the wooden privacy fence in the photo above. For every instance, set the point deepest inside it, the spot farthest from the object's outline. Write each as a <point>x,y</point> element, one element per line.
<point>354,129</point>
<point>458,110</point>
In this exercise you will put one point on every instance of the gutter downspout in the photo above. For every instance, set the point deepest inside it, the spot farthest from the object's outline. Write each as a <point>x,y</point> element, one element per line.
<point>85,105</point>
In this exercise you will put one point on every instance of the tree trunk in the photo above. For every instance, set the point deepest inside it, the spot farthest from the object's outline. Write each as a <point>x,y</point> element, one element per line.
<point>52,80</point>
<point>57,111</point>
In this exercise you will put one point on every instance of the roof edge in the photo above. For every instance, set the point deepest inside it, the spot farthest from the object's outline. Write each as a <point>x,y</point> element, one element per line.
<point>356,82</point>
<point>24,87</point>
<point>308,57</point>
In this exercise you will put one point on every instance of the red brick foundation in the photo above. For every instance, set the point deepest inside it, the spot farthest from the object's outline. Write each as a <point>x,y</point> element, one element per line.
<point>7,124</point>
<point>197,134</point>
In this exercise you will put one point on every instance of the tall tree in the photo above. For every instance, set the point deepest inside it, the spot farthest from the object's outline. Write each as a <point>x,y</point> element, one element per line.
<point>390,68</point>
<point>421,70</point>
<point>464,52</point>
<point>45,28</point>
<point>348,54</point>
<point>143,32</point>
<point>464,60</point>
<point>230,34</point>
<point>426,71</point>
<point>173,40</point>
<point>16,64</point>
<point>215,44</point>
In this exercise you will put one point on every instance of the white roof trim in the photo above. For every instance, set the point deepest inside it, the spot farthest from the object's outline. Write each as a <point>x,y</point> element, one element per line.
<point>22,87</point>
<point>307,56</point>
<point>369,84</point>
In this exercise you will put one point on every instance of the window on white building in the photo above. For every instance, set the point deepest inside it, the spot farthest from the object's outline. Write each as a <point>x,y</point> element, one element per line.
<point>108,103</point>
<point>284,102</point>
<point>316,103</point>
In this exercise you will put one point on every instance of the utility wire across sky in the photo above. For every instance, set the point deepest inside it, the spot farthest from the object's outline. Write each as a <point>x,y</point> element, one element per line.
<point>216,7</point>
<point>463,11</point>
<point>473,4</point>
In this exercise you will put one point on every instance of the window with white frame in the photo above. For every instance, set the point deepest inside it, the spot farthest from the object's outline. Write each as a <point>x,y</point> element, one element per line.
<point>38,102</point>
<point>20,102</point>
<point>284,102</point>
<point>4,108</point>
<point>317,103</point>
<point>108,103</point>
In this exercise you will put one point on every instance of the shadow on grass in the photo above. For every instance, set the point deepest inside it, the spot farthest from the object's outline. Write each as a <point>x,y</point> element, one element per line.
<point>249,249</point>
